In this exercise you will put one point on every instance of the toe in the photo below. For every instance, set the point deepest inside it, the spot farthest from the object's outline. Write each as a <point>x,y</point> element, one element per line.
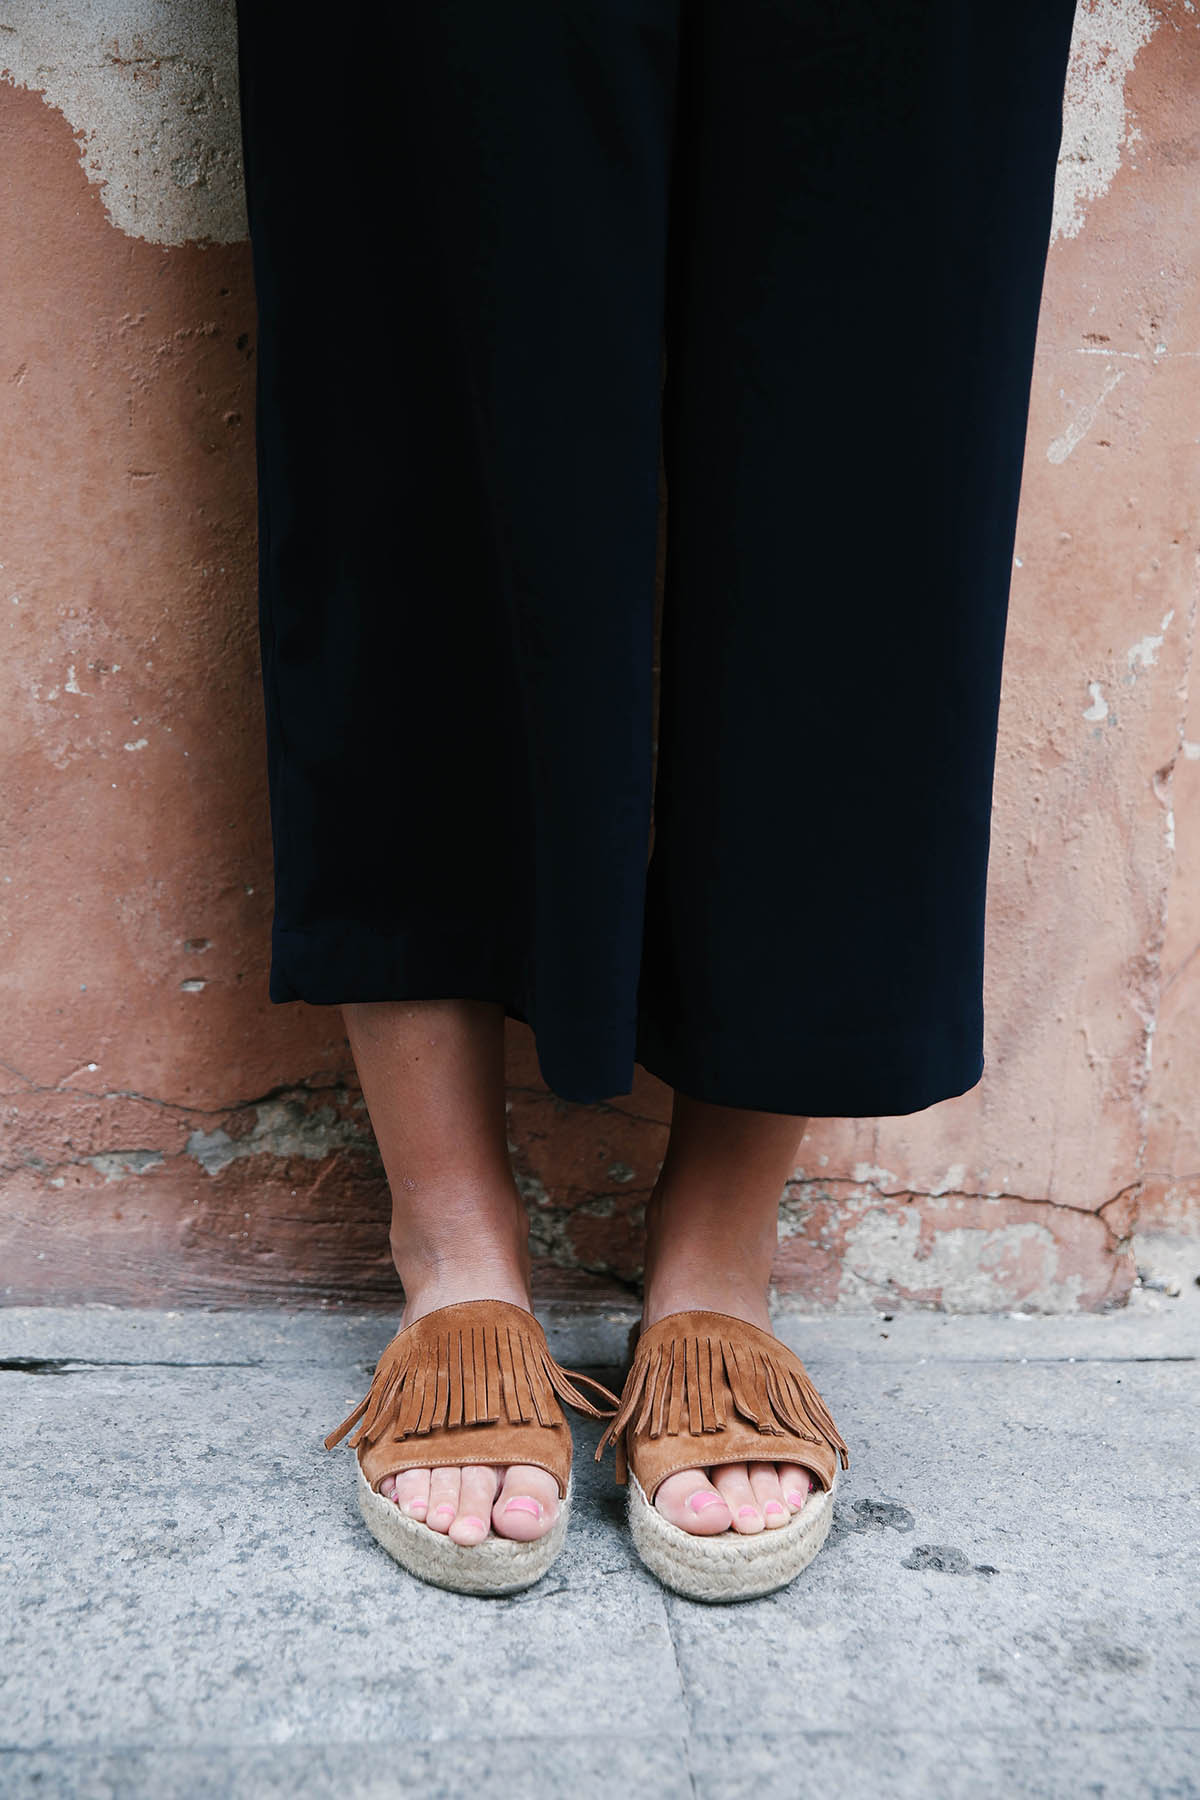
<point>768,1494</point>
<point>410,1491</point>
<point>690,1501</point>
<point>443,1498</point>
<point>476,1492</point>
<point>527,1504</point>
<point>733,1484</point>
<point>796,1484</point>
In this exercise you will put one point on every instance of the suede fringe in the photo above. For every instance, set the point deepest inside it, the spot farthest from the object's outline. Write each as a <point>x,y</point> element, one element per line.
<point>474,1376</point>
<point>671,1387</point>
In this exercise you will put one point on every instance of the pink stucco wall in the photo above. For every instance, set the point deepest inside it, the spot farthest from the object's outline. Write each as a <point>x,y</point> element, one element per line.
<point>169,1136</point>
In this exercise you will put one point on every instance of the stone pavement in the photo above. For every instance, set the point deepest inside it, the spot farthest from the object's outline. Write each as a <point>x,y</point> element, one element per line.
<point>190,1605</point>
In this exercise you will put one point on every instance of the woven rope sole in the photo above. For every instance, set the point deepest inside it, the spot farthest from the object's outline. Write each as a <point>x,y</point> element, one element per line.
<point>497,1566</point>
<point>728,1567</point>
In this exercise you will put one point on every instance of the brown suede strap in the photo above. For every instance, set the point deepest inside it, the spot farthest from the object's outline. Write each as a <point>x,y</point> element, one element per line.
<point>469,1383</point>
<point>707,1388</point>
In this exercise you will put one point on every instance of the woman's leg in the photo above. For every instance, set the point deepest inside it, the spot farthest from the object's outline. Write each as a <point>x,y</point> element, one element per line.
<point>711,1231</point>
<point>432,1073</point>
<point>860,212</point>
<point>459,364</point>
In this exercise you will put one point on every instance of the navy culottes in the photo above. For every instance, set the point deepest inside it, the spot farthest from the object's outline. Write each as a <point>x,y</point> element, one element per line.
<point>510,257</point>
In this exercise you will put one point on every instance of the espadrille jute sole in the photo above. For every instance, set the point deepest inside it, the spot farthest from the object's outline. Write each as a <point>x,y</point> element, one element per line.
<point>730,1566</point>
<point>497,1566</point>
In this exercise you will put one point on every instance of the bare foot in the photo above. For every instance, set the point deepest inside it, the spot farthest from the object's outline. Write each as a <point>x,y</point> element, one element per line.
<point>711,1237</point>
<point>468,1504</point>
<point>744,1497</point>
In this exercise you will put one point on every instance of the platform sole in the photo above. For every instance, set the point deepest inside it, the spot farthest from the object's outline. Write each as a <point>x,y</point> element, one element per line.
<point>496,1566</point>
<point>730,1566</point>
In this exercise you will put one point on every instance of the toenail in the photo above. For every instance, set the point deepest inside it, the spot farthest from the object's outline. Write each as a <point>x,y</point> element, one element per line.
<point>438,1510</point>
<point>774,1506</point>
<point>522,1503</point>
<point>417,1505</point>
<point>797,1499</point>
<point>747,1512</point>
<point>475,1524</point>
<point>701,1500</point>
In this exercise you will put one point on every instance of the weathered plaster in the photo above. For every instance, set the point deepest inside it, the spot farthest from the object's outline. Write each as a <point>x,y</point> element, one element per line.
<point>149,88</point>
<point>150,91</point>
<point>1096,128</point>
<point>963,1270</point>
<point>169,1134</point>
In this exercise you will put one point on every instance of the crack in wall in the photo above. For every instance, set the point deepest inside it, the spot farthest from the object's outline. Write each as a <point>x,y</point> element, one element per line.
<point>320,1082</point>
<point>837,1189</point>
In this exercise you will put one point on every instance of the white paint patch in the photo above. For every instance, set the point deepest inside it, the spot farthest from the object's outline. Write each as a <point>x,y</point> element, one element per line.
<point>1144,653</point>
<point>149,88</point>
<point>282,1128</point>
<point>1107,38</point>
<point>1191,752</point>
<point>1099,707</point>
<point>115,1165</point>
<point>962,1270</point>
<point>139,745</point>
<point>1082,423</point>
<point>868,1175</point>
<point>952,1182</point>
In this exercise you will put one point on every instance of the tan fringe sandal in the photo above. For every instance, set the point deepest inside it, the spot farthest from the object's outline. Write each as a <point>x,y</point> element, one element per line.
<point>469,1383</point>
<point>707,1388</point>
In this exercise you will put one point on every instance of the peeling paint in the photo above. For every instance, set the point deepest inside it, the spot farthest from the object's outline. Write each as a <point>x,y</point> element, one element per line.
<point>868,1175</point>
<point>959,1270</point>
<point>114,1165</point>
<point>282,1128</point>
<point>1145,651</point>
<point>1108,36</point>
<point>1099,707</point>
<point>150,92</point>
<point>1061,447</point>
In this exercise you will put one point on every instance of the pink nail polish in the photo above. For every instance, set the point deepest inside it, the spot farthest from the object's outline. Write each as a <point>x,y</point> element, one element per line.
<point>439,1510</point>
<point>470,1520</point>
<point>699,1501</point>
<point>522,1503</point>
<point>774,1506</point>
<point>797,1499</point>
<point>417,1506</point>
<point>747,1512</point>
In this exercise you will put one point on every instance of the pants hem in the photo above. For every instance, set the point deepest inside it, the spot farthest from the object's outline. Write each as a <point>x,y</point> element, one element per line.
<point>870,1075</point>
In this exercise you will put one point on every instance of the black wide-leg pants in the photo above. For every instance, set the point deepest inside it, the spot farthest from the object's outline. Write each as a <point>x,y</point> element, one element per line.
<point>506,256</point>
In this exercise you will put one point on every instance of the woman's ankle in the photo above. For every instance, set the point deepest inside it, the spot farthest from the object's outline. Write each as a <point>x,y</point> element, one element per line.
<point>695,1294</point>
<point>450,1288</point>
<point>685,1271</point>
<point>474,1247</point>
